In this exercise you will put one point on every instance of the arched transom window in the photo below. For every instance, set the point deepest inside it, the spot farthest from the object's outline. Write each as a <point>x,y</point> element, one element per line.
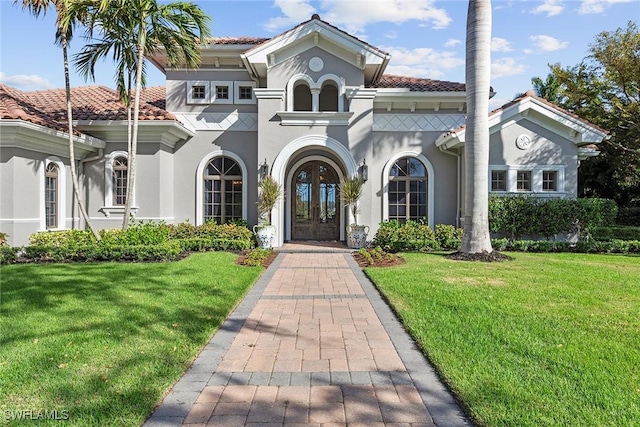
<point>51,195</point>
<point>222,200</point>
<point>408,190</point>
<point>119,179</point>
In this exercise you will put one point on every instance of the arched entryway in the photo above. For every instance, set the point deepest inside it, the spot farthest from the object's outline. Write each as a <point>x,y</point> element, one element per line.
<point>315,204</point>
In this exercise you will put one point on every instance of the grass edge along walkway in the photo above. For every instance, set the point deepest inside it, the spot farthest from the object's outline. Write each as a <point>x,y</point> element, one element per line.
<point>547,339</point>
<point>100,344</point>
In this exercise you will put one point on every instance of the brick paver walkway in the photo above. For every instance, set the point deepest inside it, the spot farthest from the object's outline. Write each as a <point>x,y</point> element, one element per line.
<point>312,344</point>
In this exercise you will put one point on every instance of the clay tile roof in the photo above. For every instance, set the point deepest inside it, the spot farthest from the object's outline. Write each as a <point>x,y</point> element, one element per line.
<point>237,40</point>
<point>418,85</point>
<point>48,107</point>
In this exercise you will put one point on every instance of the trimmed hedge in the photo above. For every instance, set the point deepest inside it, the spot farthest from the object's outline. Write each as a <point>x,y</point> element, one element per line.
<point>591,246</point>
<point>99,251</point>
<point>393,236</point>
<point>520,215</point>
<point>8,254</point>
<point>613,233</point>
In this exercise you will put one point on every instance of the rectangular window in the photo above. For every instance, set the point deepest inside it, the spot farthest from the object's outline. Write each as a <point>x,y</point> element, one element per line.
<point>222,92</point>
<point>245,92</point>
<point>198,92</point>
<point>498,180</point>
<point>549,181</point>
<point>51,201</point>
<point>523,181</point>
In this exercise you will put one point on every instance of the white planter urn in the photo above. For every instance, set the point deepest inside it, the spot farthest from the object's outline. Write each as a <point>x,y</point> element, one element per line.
<point>265,235</point>
<point>357,236</point>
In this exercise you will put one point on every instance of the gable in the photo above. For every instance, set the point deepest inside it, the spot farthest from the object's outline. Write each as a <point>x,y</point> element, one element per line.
<point>316,33</point>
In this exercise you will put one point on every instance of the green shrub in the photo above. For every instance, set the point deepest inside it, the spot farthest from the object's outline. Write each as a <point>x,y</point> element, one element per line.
<point>103,251</point>
<point>448,236</point>
<point>520,215</point>
<point>393,236</point>
<point>628,216</point>
<point>230,245</point>
<point>256,257</point>
<point>8,254</point>
<point>585,246</point>
<point>61,238</point>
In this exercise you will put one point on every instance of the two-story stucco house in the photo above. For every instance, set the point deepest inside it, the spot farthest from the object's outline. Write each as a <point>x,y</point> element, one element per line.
<point>309,107</point>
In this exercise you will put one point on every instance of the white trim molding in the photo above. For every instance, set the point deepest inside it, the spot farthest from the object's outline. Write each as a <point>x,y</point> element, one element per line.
<point>207,92</point>
<point>430,184</point>
<point>234,121</point>
<point>281,166</point>
<point>200,182</point>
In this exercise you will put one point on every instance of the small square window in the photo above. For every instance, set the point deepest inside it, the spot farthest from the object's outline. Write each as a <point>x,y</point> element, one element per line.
<point>198,92</point>
<point>222,92</point>
<point>245,92</point>
<point>523,181</point>
<point>549,181</point>
<point>499,180</point>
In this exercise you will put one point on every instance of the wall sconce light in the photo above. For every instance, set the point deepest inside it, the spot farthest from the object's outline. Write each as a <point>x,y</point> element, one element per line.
<point>363,170</point>
<point>264,169</point>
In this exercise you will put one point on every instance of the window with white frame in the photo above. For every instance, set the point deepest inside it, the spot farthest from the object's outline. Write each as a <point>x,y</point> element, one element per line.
<point>51,195</point>
<point>523,181</point>
<point>549,180</point>
<point>244,92</point>
<point>198,92</point>
<point>222,92</point>
<point>407,190</point>
<point>120,180</point>
<point>329,96</point>
<point>222,198</point>
<point>524,178</point>
<point>498,180</point>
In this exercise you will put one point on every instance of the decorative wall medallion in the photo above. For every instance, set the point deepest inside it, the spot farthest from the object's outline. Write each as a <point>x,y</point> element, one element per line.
<point>316,64</point>
<point>523,142</point>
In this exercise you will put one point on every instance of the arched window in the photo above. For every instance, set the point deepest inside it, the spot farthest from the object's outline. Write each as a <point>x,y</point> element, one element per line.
<point>222,198</point>
<point>302,97</point>
<point>51,195</point>
<point>119,178</point>
<point>329,96</point>
<point>407,192</point>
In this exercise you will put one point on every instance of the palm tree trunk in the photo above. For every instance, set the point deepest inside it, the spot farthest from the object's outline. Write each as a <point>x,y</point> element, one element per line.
<point>72,160</point>
<point>476,237</point>
<point>134,137</point>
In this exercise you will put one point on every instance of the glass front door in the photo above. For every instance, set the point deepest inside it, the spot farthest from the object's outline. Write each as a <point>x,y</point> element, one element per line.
<point>316,208</point>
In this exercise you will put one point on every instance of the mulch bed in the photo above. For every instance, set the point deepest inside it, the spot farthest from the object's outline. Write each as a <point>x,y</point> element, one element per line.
<point>388,260</point>
<point>265,263</point>
<point>484,256</point>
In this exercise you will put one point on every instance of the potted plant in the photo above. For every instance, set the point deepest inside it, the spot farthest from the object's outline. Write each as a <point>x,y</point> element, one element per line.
<point>268,194</point>
<point>350,193</point>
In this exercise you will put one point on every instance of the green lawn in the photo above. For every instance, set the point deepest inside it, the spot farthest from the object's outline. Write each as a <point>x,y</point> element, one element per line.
<point>545,340</point>
<point>102,343</point>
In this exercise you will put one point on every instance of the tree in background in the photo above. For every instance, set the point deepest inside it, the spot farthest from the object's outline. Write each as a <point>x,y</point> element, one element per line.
<point>548,89</point>
<point>476,238</point>
<point>136,28</point>
<point>66,20</point>
<point>605,90</point>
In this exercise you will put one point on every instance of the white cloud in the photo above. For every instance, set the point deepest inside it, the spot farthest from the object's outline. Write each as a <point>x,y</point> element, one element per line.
<point>500,45</point>
<point>452,43</point>
<point>506,67</point>
<point>355,15</point>
<point>295,12</point>
<point>598,6</point>
<point>421,62</point>
<point>550,8</point>
<point>547,43</point>
<point>26,82</point>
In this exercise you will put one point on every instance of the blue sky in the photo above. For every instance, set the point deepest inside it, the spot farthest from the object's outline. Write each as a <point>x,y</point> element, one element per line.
<point>424,37</point>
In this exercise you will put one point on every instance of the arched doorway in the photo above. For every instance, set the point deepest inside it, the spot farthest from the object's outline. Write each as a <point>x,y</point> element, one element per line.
<point>315,208</point>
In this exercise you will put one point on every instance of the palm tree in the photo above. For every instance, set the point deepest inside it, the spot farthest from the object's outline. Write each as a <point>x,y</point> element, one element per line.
<point>65,23</point>
<point>143,27</point>
<point>548,89</point>
<point>476,238</point>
